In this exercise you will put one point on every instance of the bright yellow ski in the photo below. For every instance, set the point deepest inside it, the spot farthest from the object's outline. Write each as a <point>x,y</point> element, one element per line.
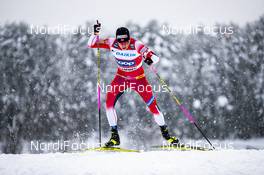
<point>180,148</point>
<point>111,149</point>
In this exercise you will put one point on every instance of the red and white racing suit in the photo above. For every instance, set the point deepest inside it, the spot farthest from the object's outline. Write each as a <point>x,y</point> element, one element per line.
<point>130,74</point>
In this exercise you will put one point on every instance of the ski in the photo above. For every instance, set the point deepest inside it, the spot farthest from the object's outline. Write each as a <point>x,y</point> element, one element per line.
<point>111,149</point>
<point>179,148</point>
<point>152,148</point>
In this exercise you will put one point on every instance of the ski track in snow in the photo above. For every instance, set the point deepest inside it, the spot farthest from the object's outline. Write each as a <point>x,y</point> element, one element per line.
<point>225,162</point>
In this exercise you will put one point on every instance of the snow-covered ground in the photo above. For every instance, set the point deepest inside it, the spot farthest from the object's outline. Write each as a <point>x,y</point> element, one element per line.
<point>223,162</point>
<point>244,157</point>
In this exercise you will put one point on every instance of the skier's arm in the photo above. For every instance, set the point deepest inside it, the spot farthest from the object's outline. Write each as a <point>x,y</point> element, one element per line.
<point>94,41</point>
<point>148,55</point>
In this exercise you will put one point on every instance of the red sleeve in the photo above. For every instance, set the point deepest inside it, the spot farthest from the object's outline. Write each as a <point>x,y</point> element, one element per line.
<point>143,50</point>
<point>146,52</point>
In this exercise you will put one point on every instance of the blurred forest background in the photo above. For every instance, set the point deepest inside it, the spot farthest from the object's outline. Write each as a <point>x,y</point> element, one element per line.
<point>48,85</point>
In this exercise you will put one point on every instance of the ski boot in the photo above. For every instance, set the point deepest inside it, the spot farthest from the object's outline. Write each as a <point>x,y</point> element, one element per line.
<point>114,140</point>
<point>173,141</point>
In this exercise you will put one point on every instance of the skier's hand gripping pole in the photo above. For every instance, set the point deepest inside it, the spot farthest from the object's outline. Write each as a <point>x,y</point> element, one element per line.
<point>186,113</point>
<point>97,27</point>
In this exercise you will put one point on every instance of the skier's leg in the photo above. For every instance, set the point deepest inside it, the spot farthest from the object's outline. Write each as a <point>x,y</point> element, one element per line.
<point>113,93</point>
<point>111,99</point>
<point>145,91</point>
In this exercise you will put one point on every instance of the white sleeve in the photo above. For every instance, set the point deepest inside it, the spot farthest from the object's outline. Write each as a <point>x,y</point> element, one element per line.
<point>92,40</point>
<point>155,59</point>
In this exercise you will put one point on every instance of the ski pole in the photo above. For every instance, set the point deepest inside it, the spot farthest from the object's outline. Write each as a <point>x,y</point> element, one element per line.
<point>99,92</point>
<point>186,113</point>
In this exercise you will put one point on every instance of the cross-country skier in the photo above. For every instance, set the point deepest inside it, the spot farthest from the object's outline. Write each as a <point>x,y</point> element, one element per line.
<point>129,55</point>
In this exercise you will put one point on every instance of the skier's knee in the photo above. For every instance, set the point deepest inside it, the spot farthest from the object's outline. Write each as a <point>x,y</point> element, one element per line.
<point>159,119</point>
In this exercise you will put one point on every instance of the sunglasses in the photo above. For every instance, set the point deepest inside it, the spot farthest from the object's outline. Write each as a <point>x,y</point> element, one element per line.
<point>122,38</point>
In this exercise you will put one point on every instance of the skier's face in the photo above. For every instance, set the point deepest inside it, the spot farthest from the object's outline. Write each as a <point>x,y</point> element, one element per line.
<point>123,45</point>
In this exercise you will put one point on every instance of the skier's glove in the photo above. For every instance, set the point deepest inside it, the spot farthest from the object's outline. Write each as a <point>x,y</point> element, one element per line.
<point>148,61</point>
<point>97,28</point>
